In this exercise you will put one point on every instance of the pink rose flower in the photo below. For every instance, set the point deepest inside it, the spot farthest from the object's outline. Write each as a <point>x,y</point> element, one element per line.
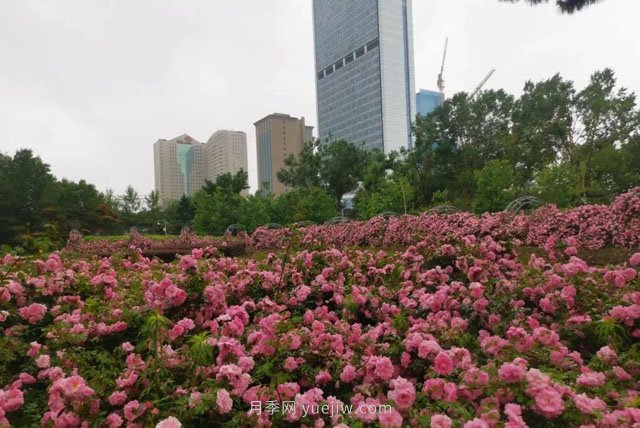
<point>43,361</point>
<point>440,421</point>
<point>384,368</point>
<point>476,423</point>
<point>443,364</point>
<point>133,410</point>
<point>591,379</point>
<point>403,393</point>
<point>33,313</point>
<point>75,387</point>
<point>170,422</point>
<point>348,373</point>
<point>224,401</point>
<point>549,402</point>
<point>117,398</point>
<point>390,419</point>
<point>511,373</point>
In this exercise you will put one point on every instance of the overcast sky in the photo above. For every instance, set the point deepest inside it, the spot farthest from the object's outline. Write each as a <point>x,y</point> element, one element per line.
<point>91,85</point>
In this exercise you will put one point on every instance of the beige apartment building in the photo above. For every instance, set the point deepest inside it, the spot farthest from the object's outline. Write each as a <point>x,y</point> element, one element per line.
<point>226,152</point>
<point>278,136</point>
<point>180,166</point>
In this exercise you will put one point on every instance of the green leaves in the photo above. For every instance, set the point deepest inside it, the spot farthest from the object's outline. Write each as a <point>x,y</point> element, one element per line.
<point>200,350</point>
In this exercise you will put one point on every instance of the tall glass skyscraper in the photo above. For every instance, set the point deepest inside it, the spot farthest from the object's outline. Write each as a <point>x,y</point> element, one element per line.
<point>427,101</point>
<point>364,72</point>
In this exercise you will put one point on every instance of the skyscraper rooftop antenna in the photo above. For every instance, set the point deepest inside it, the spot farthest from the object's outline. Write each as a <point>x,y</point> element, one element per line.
<point>440,76</point>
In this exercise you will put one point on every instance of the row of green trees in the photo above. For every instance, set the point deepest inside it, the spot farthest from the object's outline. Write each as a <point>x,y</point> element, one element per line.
<point>221,204</point>
<point>37,211</point>
<point>564,145</point>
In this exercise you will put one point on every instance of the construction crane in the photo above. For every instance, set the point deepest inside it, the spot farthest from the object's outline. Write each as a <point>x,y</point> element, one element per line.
<point>473,94</point>
<point>440,83</point>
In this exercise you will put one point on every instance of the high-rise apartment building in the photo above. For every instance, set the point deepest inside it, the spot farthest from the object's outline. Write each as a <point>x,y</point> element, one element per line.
<point>182,164</point>
<point>226,152</point>
<point>427,101</point>
<point>278,136</point>
<point>180,167</point>
<point>364,72</point>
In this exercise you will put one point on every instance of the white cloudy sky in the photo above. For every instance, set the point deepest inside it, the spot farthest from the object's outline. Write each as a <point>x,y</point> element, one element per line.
<point>90,85</point>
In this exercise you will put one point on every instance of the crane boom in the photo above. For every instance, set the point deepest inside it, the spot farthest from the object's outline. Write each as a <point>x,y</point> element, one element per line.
<point>473,94</point>
<point>440,83</point>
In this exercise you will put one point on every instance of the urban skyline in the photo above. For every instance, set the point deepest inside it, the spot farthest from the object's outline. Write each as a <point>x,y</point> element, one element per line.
<point>116,84</point>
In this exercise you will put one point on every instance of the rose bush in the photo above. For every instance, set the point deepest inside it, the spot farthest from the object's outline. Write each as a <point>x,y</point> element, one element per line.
<point>456,333</point>
<point>595,226</point>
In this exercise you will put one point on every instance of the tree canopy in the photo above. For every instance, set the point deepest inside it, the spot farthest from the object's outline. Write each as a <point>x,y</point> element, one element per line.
<point>566,6</point>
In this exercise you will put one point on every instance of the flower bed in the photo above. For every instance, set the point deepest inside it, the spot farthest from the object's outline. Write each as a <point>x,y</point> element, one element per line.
<point>166,248</point>
<point>436,335</point>
<point>595,226</point>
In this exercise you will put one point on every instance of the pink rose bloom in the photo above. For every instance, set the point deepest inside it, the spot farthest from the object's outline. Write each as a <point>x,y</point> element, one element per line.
<point>290,364</point>
<point>130,378</point>
<point>635,259</point>
<point>591,379</point>
<point>390,419</point>
<point>476,423</point>
<point>323,377</point>
<point>384,368</point>
<point>440,421</point>
<point>187,262</point>
<point>194,399</point>
<point>443,364</point>
<point>133,410</point>
<point>33,313</point>
<point>289,389</point>
<point>75,387</point>
<point>117,398</point>
<point>511,373</point>
<point>26,378</point>
<point>246,363</point>
<point>11,399</point>
<point>348,373</point>
<point>514,413</point>
<point>68,419</point>
<point>43,361</point>
<point>34,349</point>
<point>170,422</point>
<point>127,347</point>
<point>607,355</point>
<point>223,401</point>
<point>428,347</point>
<point>114,420</point>
<point>403,393</point>
<point>549,403</point>
<point>450,391</point>
<point>588,405</point>
<point>621,374</point>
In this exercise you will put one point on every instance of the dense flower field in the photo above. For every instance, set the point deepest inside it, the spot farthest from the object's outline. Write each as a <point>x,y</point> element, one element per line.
<point>595,226</point>
<point>435,335</point>
<point>135,240</point>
